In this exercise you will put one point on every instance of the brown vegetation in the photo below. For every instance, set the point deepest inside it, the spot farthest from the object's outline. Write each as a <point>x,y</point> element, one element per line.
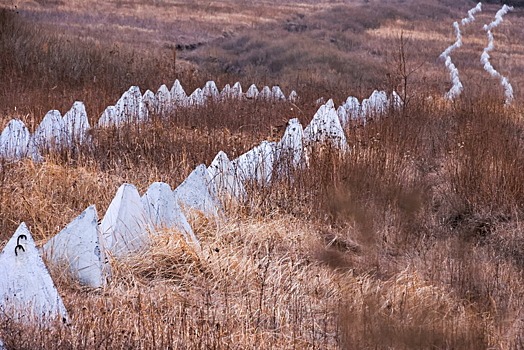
<point>412,240</point>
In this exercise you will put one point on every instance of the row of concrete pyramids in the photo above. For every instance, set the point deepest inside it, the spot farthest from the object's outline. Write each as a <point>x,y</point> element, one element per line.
<point>57,132</point>
<point>130,220</point>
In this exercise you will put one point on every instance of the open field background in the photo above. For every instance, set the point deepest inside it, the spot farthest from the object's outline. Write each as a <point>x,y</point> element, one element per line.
<point>412,241</point>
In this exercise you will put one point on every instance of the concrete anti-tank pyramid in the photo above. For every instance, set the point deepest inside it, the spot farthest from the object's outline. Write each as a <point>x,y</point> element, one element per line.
<point>150,102</point>
<point>178,94</point>
<point>50,133</point>
<point>79,247</point>
<point>256,164</point>
<point>125,226</point>
<point>265,93</point>
<point>352,107</point>
<point>197,98</point>
<point>343,117</point>
<point>27,292</point>
<point>376,104</point>
<point>108,118</point>
<point>164,212</point>
<point>164,105</point>
<point>194,193</point>
<point>236,90</point>
<point>252,92</point>
<point>16,142</point>
<point>293,97</point>
<point>290,147</point>
<point>325,127</point>
<point>210,91</point>
<point>223,178</point>
<point>130,107</point>
<point>396,101</point>
<point>277,93</point>
<point>76,124</point>
<point>226,92</point>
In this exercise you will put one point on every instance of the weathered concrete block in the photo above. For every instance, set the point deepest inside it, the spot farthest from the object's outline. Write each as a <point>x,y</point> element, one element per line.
<point>290,148</point>
<point>79,247</point>
<point>163,211</point>
<point>293,97</point>
<point>265,94</point>
<point>125,226</point>
<point>194,193</point>
<point>150,101</point>
<point>210,91</point>
<point>164,104</point>
<point>325,127</point>
<point>108,118</point>
<point>223,178</point>
<point>178,95</point>
<point>277,94</point>
<point>252,92</point>
<point>50,133</point>
<point>16,142</point>
<point>256,164</point>
<point>76,124</point>
<point>376,104</point>
<point>197,98</point>
<point>352,106</point>
<point>236,90</point>
<point>27,292</point>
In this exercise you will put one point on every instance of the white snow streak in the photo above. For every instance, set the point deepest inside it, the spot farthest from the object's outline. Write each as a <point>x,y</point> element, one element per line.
<point>484,58</point>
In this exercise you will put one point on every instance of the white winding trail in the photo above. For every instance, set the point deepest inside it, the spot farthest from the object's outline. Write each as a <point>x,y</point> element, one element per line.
<point>457,87</point>
<point>484,58</point>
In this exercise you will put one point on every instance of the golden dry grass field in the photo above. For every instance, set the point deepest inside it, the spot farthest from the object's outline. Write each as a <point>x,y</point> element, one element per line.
<point>413,240</point>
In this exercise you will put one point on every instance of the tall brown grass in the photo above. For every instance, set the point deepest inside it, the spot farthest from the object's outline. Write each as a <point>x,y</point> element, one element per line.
<point>411,240</point>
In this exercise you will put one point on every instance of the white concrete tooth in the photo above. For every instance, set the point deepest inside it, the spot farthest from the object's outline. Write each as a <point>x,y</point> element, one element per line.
<point>236,90</point>
<point>125,228</point>
<point>290,148</point>
<point>50,133</point>
<point>293,97</point>
<point>163,211</point>
<point>197,98</point>
<point>79,247</point>
<point>16,142</point>
<point>210,91</point>
<point>325,127</point>
<point>265,94</point>
<point>178,95</point>
<point>223,179</point>
<point>252,92</point>
<point>277,94</point>
<point>256,165</point>
<point>108,118</point>
<point>195,194</point>
<point>27,292</point>
<point>76,124</point>
<point>164,103</point>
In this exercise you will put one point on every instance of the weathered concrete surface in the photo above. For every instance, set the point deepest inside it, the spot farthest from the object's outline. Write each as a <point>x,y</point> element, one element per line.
<point>194,193</point>
<point>76,124</point>
<point>27,292</point>
<point>256,164</point>
<point>50,133</point>
<point>223,178</point>
<point>125,226</point>
<point>163,211</point>
<point>79,247</point>
<point>290,149</point>
<point>325,127</point>
<point>16,142</point>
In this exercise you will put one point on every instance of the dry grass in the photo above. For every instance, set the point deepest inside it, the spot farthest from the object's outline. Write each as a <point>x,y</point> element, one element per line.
<point>413,240</point>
